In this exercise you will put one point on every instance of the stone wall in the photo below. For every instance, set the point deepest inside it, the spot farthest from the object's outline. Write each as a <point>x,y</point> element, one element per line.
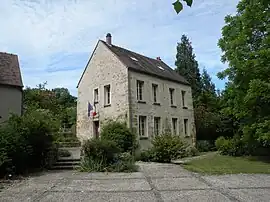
<point>164,110</point>
<point>103,69</point>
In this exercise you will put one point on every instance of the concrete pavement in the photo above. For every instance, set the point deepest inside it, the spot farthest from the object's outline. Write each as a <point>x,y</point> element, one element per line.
<point>154,182</point>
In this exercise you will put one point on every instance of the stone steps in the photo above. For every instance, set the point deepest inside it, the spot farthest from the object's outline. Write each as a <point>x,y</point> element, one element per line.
<point>66,164</point>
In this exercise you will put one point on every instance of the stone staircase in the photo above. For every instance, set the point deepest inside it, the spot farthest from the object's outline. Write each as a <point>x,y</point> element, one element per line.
<point>68,163</point>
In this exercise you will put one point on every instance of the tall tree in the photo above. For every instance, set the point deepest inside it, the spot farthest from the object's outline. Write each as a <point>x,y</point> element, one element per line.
<point>245,44</point>
<point>187,66</point>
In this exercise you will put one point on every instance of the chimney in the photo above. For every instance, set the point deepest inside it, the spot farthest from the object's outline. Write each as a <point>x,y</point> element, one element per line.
<point>109,39</point>
<point>158,58</point>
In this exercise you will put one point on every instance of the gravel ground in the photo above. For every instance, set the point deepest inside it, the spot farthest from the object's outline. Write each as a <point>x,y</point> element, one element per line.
<point>154,182</point>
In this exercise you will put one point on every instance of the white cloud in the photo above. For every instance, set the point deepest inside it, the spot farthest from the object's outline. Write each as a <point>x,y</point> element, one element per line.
<point>60,35</point>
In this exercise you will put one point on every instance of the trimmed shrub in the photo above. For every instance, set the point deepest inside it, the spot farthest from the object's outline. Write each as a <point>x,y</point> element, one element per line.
<point>146,155</point>
<point>167,147</point>
<point>120,134</point>
<point>125,163</point>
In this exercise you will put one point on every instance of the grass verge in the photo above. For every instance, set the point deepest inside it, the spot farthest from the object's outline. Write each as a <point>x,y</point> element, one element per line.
<point>214,163</point>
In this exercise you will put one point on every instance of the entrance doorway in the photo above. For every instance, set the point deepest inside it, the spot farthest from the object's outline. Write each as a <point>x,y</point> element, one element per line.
<point>96,129</point>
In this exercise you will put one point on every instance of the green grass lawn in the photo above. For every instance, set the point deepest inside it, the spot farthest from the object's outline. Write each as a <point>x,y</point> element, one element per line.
<point>214,163</point>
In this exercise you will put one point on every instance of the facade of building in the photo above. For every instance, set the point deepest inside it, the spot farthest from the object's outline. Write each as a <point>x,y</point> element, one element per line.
<point>10,86</point>
<point>146,93</point>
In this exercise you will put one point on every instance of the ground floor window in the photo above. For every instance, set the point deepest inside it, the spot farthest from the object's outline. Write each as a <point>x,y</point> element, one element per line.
<point>142,126</point>
<point>156,126</point>
<point>174,125</point>
<point>186,127</point>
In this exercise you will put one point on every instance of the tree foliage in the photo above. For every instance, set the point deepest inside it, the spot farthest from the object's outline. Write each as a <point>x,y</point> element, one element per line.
<point>58,100</point>
<point>245,44</point>
<point>178,5</point>
<point>187,65</point>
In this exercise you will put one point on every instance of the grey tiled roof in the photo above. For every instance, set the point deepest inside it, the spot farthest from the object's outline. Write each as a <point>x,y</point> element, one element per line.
<point>143,64</point>
<point>10,70</point>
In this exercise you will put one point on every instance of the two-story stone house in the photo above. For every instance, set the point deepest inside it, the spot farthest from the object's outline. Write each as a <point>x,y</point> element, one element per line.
<point>146,93</point>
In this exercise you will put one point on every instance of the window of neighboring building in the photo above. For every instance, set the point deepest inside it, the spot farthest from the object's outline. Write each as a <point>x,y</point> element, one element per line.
<point>96,95</point>
<point>140,90</point>
<point>155,92</point>
<point>174,125</point>
<point>142,126</point>
<point>186,127</point>
<point>172,96</point>
<point>107,95</point>
<point>183,98</point>
<point>156,126</point>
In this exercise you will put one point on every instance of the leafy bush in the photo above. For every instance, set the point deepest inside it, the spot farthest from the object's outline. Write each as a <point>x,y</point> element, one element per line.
<point>146,155</point>
<point>233,147</point>
<point>103,155</point>
<point>125,163</point>
<point>205,145</point>
<point>120,134</point>
<point>25,141</point>
<point>167,147</point>
<point>98,149</point>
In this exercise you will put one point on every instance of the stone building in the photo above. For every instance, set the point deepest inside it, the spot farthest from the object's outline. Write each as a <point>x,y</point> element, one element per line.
<point>11,86</point>
<point>144,92</point>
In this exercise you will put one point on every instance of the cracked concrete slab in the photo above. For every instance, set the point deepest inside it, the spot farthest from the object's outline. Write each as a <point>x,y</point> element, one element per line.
<point>154,182</point>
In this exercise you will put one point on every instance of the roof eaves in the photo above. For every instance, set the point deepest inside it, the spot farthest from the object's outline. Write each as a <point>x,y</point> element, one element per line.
<point>158,76</point>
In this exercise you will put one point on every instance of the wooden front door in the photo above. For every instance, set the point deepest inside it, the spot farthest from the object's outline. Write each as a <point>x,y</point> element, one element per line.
<point>96,129</point>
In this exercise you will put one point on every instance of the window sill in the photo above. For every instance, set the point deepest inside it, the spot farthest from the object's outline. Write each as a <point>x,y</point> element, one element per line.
<point>185,108</point>
<point>140,101</point>
<point>107,105</point>
<point>156,103</point>
<point>143,138</point>
<point>187,136</point>
<point>173,106</point>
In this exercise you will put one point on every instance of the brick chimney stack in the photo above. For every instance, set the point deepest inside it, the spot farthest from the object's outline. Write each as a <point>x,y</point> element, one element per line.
<point>109,39</point>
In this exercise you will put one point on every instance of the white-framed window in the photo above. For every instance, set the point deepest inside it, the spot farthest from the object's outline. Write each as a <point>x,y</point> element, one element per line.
<point>174,126</point>
<point>140,90</point>
<point>96,95</point>
<point>155,92</point>
<point>142,126</point>
<point>156,126</point>
<point>183,95</point>
<point>186,127</point>
<point>171,90</point>
<point>107,95</point>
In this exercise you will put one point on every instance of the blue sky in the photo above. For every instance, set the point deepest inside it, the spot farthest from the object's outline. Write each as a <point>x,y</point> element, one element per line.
<point>55,38</point>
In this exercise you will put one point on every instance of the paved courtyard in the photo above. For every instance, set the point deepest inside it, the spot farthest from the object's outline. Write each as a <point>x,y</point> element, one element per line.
<point>155,182</point>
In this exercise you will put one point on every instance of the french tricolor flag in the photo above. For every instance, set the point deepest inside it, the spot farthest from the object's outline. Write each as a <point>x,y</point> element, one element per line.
<point>90,108</point>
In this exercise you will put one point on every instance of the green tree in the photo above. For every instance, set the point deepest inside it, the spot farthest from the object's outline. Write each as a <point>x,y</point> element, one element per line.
<point>187,66</point>
<point>245,44</point>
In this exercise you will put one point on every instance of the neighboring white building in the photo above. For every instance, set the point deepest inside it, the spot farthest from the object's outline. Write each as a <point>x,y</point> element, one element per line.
<point>146,93</point>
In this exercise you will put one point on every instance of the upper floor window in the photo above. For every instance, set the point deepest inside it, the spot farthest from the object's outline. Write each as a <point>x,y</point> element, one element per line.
<point>174,125</point>
<point>172,95</point>
<point>107,95</point>
<point>155,92</point>
<point>140,90</point>
<point>96,95</point>
<point>183,94</point>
